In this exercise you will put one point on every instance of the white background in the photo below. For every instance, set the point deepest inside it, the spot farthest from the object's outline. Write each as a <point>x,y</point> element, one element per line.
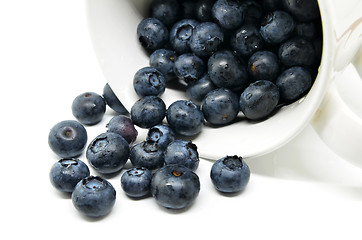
<point>301,191</point>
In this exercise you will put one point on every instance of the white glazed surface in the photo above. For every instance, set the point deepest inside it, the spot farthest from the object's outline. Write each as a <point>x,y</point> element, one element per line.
<point>113,24</point>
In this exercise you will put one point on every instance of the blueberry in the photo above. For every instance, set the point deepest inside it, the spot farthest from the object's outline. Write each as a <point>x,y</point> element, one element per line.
<point>180,35</point>
<point>259,99</point>
<point>230,174</point>
<point>276,27</point>
<point>89,108</point>
<point>188,9</point>
<point>305,10</point>
<point>226,70</point>
<point>263,65</point>
<point>206,39</point>
<point>108,153</point>
<point>183,153</point>
<point>167,11</point>
<point>164,60</point>
<point>228,14</point>
<point>203,10</point>
<point>136,182</point>
<point>253,12</point>
<point>196,91</point>
<point>148,81</point>
<point>112,100</point>
<point>147,154</point>
<point>148,111</point>
<point>66,173</point>
<point>123,126</point>
<point>152,34</point>
<point>220,106</point>
<point>185,118</point>
<point>67,138</point>
<point>296,51</point>
<point>189,67</point>
<point>246,40</point>
<point>94,196</point>
<point>175,187</point>
<point>162,134</point>
<point>293,83</point>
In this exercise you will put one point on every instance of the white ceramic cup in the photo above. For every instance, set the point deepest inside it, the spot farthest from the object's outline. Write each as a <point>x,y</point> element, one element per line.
<point>113,24</point>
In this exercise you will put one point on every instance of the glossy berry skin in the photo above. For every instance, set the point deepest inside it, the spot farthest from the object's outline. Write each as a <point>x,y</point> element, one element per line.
<point>147,154</point>
<point>183,153</point>
<point>175,187</point>
<point>68,138</point>
<point>112,100</point>
<point>296,52</point>
<point>189,67</point>
<point>230,174</point>
<point>246,40</point>
<point>293,83</point>
<point>167,11</point>
<point>164,60</point>
<point>66,173</point>
<point>306,10</point>
<point>185,118</point>
<point>148,81</point>
<point>136,182</point>
<point>94,196</point>
<point>226,70</point>
<point>196,91</point>
<point>228,14</point>
<point>152,34</point>
<point>263,65</point>
<point>89,108</point>
<point>276,27</point>
<point>108,153</point>
<point>123,126</point>
<point>206,39</point>
<point>180,35</point>
<point>148,111</point>
<point>259,100</point>
<point>162,134</point>
<point>220,106</point>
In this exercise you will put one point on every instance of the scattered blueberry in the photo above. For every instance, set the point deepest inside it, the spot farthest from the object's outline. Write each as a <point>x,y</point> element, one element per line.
<point>263,65</point>
<point>148,81</point>
<point>67,138</point>
<point>183,153</point>
<point>147,154</point>
<point>123,126</point>
<point>189,67</point>
<point>89,108</point>
<point>228,14</point>
<point>196,91</point>
<point>113,101</point>
<point>148,111</point>
<point>152,34</point>
<point>180,35</point>
<point>136,182</point>
<point>296,52</point>
<point>164,60</point>
<point>162,134</point>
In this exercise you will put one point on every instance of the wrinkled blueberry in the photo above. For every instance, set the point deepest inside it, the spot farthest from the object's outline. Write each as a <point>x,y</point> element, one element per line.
<point>136,182</point>
<point>148,81</point>
<point>296,51</point>
<point>89,108</point>
<point>152,34</point>
<point>123,126</point>
<point>189,67</point>
<point>246,40</point>
<point>164,60</point>
<point>148,111</point>
<point>180,35</point>
<point>162,134</point>
<point>147,154</point>
<point>167,11</point>
<point>196,91</point>
<point>263,65</point>
<point>228,14</point>
<point>183,153</point>
<point>113,101</point>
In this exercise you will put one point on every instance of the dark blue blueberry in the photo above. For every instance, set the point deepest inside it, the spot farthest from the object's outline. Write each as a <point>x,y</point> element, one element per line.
<point>203,10</point>
<point>293,83</point>
<point>220,106</point>
<point>226,70</point>
<point>253,12</point>
<point>188,9</point>
<point>147,154</point>
<point>136,182</point>
<point>306,30</point>
<point>94,196</point>
<point>167,11</point>
<point>263,65</point>
<point>228,14</point>
<point>305,10</point>
<point>66,173</point>
<point>148,111</point>
<point>230,174</point>
<point>180,35</point>
<point>123,126</point>
<point>148,81</point>
<point>196,91</point>
<point>259,100</point>
<point>271,5</point>
<point>89,108</point>
<point>183,153</point>
<point>175,187</point>
<point>246,40</point>
<point>189,67</point>
<point>162,134</point>
<point>164,60</point>
<point>67,138</point>
<point>113,101</point>
<point>206,39</point>
<point>152,34</point>
<point>296,51</point>
<point>276,27</point>
<point>185,118</point>
<point>108,153</point>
